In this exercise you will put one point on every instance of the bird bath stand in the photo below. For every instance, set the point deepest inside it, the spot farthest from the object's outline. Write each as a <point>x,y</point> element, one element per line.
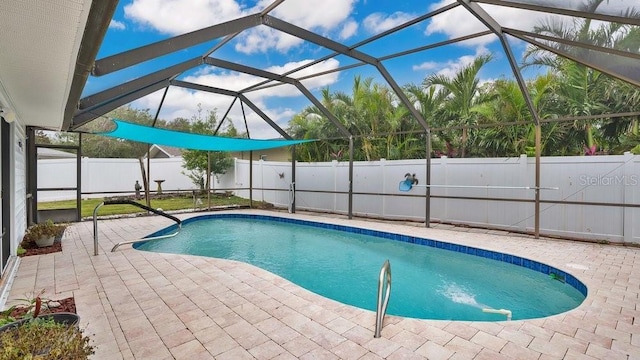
<point>159,191</point>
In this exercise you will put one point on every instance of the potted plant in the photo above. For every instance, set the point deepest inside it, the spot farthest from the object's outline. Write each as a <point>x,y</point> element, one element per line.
<point>44,339</point>
<point>43,234</point>
<point>53,335</point>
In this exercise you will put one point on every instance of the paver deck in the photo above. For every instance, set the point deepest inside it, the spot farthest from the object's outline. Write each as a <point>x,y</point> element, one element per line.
<point>143,305</point>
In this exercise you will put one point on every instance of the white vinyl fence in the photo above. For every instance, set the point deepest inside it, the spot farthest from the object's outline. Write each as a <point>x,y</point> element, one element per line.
<point>589,204</point>
<point>102,176</point>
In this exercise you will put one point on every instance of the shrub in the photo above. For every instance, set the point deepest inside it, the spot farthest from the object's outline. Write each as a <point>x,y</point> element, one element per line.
<point>46,339</point>
<point>42,230</point>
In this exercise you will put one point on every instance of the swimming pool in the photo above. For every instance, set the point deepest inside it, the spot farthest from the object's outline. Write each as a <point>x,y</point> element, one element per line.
<point>431,279</point>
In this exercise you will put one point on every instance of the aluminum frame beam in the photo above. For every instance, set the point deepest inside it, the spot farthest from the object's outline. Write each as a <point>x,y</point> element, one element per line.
<point>402,96</point>
<point>206,88</point>
<point>494,26</point>
<point>322,108</point>
<point>365,41</point>
<point>135,56</point>
<point>283,79</point>
<point>435,45</point>
<point>136,84</point>
<point>94,33</point>
<point>342,49</point>
<point>307,35</point>
<point>559,11</point>
<point>90,114</point>
<point>238,95</point>
<point>224,117</point>
<point>246,69</point>
<point>514,32</point>
<point>265,85</point>
<point>265,117</point>
<point>577,59</point>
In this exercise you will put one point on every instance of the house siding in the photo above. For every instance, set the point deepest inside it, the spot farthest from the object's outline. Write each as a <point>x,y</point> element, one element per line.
<point>19,185</point>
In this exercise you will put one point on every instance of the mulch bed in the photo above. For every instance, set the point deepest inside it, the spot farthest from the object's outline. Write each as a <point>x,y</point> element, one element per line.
<point>56,247</point>
<point>66,305</point>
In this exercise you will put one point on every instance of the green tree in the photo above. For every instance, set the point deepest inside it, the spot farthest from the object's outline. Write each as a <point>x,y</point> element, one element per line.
<point>429,101</point>
<point>508,106</point>
<point>195,161</point>
<point>180,124</point>
<point>586,91</point>
<point>98,146</point>
<point>462,95</point>
<point>621,134</point>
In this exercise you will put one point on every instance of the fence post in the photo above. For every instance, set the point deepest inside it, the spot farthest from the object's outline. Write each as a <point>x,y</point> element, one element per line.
<point>629,182</point>
<point>350,211</point>
<point>383,184</point>
<point>334,169</point>
<point>523,216</point>
<point>445,181</point>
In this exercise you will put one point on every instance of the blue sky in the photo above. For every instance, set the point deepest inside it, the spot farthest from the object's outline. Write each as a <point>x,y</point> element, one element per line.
<point>140,22</point>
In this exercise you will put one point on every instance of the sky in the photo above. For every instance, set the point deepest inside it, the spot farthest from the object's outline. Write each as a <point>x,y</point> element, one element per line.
<point>141,22</point>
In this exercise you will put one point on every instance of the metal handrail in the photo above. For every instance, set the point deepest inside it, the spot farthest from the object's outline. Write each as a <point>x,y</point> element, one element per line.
<point>130,202</point>
<point>381,308</point>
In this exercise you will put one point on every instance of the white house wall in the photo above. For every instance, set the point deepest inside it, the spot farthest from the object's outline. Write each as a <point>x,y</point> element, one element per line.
<point>18,185</point>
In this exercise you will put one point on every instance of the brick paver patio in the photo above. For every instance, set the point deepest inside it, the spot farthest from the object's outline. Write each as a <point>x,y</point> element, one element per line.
<point>142,305</point>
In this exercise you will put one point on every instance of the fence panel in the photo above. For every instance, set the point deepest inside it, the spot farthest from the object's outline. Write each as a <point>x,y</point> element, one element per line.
<point>609,180</point>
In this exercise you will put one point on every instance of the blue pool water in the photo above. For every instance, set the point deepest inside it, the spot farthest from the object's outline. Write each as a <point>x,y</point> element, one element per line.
<point>428,282</point>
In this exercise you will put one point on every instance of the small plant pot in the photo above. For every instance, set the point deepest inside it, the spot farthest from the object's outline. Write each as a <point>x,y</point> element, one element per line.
<point>46,241</point>
<point>66,318</point>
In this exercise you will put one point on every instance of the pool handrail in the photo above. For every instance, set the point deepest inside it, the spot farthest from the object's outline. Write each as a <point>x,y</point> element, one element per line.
<point>134,203</point>
<point>381,308</point>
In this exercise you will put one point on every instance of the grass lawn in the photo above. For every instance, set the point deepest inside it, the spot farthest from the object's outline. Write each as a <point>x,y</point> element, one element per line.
<point>175,203</point>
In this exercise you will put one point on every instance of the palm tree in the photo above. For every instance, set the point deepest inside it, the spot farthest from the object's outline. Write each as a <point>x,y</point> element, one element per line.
<point>429,102</point>
<point>462,94</point>
<point>622,134</point>
<point>582,87</point>
<point>508,105</point>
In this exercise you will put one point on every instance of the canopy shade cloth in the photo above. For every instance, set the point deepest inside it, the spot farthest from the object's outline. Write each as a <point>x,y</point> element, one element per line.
<point>151,135</point>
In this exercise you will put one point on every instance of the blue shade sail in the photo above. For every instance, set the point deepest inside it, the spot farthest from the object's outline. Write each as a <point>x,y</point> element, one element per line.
<point>184,140</point>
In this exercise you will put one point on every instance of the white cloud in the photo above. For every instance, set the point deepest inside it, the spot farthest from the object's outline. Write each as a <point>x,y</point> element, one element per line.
<point>459,22</point>
<point>317,14</point>
<point>177,16</point>
<point>322,16</point>
<point>263,39</point>
<point>451,67</point>
<point>181,102</point>
<point>379,22</point>
<point>427,65</point>
<point>312,83</point>
<point>115,24</point>
<point>465,24</point>
<point>349,29</point>
<point>237,81</point>
<point>184,103</point>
